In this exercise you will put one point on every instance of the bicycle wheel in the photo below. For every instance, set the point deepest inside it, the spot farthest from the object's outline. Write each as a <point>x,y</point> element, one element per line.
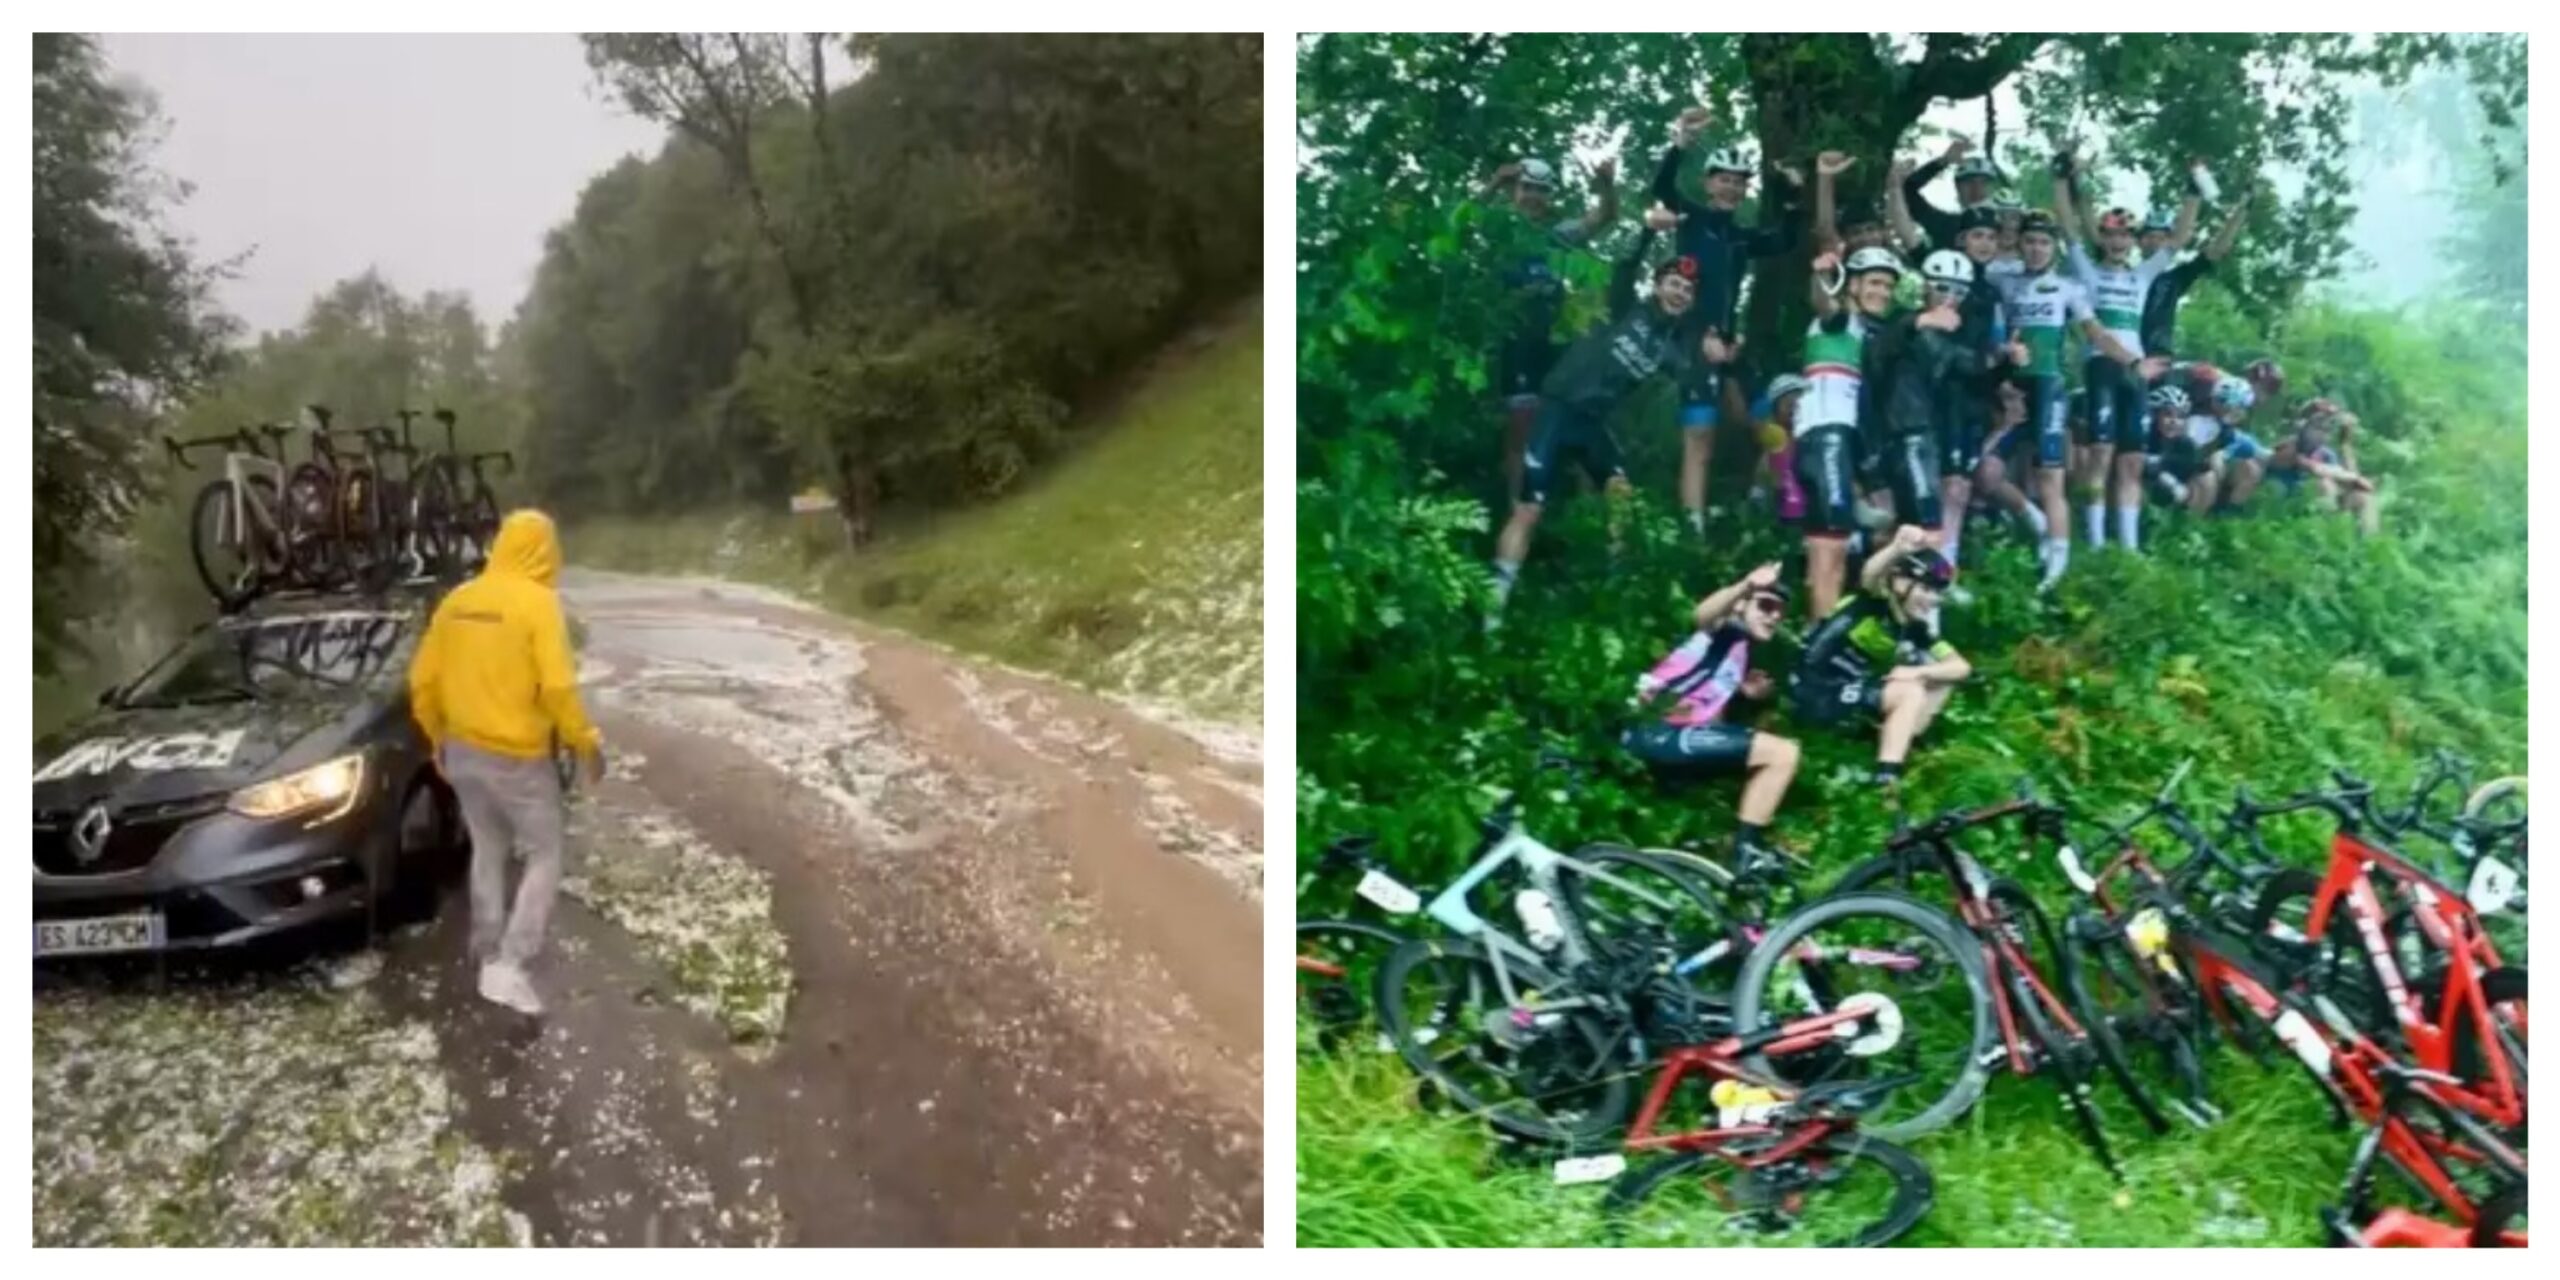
<point>431,514</point>
<point>2497,800</point>
<point>2146,999</point>
<point>226,560</point>
<point>1847,1190</point>
<point>1546,1075</point>
<point>1338,964</point>
<point>363,527</point>
<point>311,528</point>
<point>1668,907</point>
<point>480,526</point>
<point>1926,968</point>
<point>2031,931</point>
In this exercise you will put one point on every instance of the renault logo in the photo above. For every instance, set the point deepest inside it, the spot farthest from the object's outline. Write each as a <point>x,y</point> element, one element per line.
<point>89,835</point>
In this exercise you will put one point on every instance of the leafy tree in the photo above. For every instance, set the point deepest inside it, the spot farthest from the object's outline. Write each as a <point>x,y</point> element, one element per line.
<point>124,324</point>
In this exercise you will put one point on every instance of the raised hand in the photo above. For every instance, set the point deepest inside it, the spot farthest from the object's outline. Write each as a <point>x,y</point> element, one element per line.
<point>1762,578</point>
<point>1826,262</point>
<point>1605,172</point>
<point>1788,171</point>
<point>1833,163</point>
<point>1958,148</point>
<point>1899,170</point>
<point>1506,173</point>
<point>2018,355</point>
<point>1685,129</point>
<point>1714,350</point>
<point>1661,218</point>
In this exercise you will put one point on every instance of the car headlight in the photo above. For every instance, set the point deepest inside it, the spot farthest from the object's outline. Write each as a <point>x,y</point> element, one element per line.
<point>323,791</point>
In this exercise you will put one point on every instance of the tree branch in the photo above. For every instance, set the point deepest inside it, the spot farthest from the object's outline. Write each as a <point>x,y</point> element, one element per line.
<point>1943,73</point>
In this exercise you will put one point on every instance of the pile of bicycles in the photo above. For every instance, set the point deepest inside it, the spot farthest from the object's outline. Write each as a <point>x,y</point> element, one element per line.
<point>1776,1052</point>
<point>364,508</point>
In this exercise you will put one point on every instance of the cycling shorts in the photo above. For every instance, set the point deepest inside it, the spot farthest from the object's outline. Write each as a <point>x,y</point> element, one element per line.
<point>1521,364</point>
<point>2118,411</point>
<point>1827,466</point>
<point>1563,430</point>
<point>2047,402</point>
<point>1702,395</point>
<point>1960,435</point>
<point>1912,472</point>
<point>1695,750</point>
<point>1832,702</point>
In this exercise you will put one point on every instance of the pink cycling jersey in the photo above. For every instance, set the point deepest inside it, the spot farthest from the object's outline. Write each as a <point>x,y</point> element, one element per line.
<point>1702,694</point>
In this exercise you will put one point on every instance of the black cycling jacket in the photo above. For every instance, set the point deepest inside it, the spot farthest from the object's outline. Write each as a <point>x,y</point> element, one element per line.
<point>1724,249</point>
<point>1634,343</point>
<point>2160,306</point>
<point>1915,376</point>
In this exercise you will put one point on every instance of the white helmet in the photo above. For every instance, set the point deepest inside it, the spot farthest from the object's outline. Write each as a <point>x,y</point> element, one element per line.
<point>2169,397</point>
<point>1727,160</point>
<point>2232,392</point>
<point>1537,173</point>
<point>1874,258</point>
<point>1948,267</point>
<point>1787,384</point>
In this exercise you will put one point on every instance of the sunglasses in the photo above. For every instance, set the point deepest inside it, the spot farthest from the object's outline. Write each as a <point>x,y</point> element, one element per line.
<point>1771,605</point>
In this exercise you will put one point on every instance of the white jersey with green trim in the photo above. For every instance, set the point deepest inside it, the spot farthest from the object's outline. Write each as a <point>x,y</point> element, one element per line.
<point>2117,293</point>
<point>1834,362</point>
<point>2043,306</point>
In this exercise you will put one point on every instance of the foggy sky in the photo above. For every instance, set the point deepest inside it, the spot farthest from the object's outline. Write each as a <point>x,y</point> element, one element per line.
<point>441,160</point>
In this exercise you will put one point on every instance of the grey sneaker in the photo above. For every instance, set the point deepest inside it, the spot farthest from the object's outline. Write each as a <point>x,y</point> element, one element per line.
<point>506,984</point>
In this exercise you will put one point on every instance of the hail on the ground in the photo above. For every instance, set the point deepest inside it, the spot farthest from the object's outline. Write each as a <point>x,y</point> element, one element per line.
<point>292,1112</point>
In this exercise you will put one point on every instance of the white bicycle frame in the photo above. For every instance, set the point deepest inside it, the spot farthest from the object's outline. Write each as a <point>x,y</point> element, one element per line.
<point>237,470</point>
<point>1453,912</point>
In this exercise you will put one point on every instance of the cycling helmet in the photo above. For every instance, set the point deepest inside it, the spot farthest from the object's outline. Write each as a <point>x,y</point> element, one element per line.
<point>2116,220</point>
<point>2008,204</point>
<point>1948,268</point>
<point>1981,215</point>
<point>1727,160</point>
<point>1537,173</point>
<point>2233,393</point>
<point>1787,384</point>
<point>1976,166</point>
<point>2038,220</point>
<point>1926,567</point>
<point>2161,220</point>
<point>1874,259</point>
<point>2170,398</point>
<point>2266,371</point>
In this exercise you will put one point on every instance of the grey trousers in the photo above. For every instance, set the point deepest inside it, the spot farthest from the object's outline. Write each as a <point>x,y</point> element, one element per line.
<point>512,807</point>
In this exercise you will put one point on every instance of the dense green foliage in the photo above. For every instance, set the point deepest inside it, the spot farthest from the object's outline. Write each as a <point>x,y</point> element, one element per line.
<point>123,324</point>
<point>2266,648</point>
<point>930,268</point>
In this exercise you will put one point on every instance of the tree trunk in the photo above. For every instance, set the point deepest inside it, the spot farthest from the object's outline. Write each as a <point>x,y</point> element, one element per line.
<point>1810,94</point>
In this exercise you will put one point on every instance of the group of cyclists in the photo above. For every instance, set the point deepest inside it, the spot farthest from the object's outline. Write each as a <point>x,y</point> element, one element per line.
<point>1910,416</point>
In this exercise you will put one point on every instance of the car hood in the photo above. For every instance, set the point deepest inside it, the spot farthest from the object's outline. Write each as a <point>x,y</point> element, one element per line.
<point>157,755</point>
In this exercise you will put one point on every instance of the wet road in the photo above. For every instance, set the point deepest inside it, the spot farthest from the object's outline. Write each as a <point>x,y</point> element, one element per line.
<point>1021,928</point>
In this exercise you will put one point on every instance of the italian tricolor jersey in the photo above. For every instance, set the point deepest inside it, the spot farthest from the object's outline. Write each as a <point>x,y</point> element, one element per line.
<point>2042,308</point>
<point>2117,293</point>
<point>1835,352</point>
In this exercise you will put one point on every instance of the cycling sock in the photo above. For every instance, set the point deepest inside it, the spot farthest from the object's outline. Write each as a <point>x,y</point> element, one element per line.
<point>1747,835</point>
<point>2129,527</point>
<point>2037,522</point>
<point>1951,536</point>
<point>1505,573</point>
<point>2097,513</point>
<point>1697,522</point>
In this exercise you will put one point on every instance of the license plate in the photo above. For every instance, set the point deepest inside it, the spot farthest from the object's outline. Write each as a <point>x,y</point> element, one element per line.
<point>138,931</point>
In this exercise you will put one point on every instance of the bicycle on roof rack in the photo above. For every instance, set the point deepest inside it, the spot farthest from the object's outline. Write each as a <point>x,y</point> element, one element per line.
<point>241,531</point>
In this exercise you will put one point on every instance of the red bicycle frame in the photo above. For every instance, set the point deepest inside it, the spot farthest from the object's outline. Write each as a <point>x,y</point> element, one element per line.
<point>2346,1066</point>
<point>2452,926</point>
<point>1723,1060</point>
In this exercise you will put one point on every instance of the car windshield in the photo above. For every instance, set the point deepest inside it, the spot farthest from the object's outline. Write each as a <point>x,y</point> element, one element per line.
<point>261,658</point>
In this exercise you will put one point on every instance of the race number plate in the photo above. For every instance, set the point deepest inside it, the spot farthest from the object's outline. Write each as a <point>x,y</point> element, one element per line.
<point>1391,896</point>
<point>138,931</point>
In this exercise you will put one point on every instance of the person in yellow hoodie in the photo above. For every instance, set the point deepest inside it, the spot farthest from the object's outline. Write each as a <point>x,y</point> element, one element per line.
<point>494,687</point>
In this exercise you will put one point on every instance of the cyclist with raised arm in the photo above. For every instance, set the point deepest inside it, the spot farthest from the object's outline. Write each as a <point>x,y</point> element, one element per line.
<point>1830,425</point>
<point>1879,656</point>
<point>2119,421</point>
<point>2169,290</point>
<point>1696,684</point>
<point>1529,237</point>
<point>1975,178</point>
<point>1599,371</point>
<point>1705,228</point>
<point>2043,305</point>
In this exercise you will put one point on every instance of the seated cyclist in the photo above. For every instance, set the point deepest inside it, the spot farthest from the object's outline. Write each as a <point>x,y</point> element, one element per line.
<point>1697,682</point>
<point>1879,657</point>
<point>2308,455</point>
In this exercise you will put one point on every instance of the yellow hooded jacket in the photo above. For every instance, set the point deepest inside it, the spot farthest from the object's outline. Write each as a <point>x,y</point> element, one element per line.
<point>494,669</point>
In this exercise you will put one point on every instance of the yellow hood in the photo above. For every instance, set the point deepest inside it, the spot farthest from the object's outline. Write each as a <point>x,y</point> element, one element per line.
<point>528,545</point>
